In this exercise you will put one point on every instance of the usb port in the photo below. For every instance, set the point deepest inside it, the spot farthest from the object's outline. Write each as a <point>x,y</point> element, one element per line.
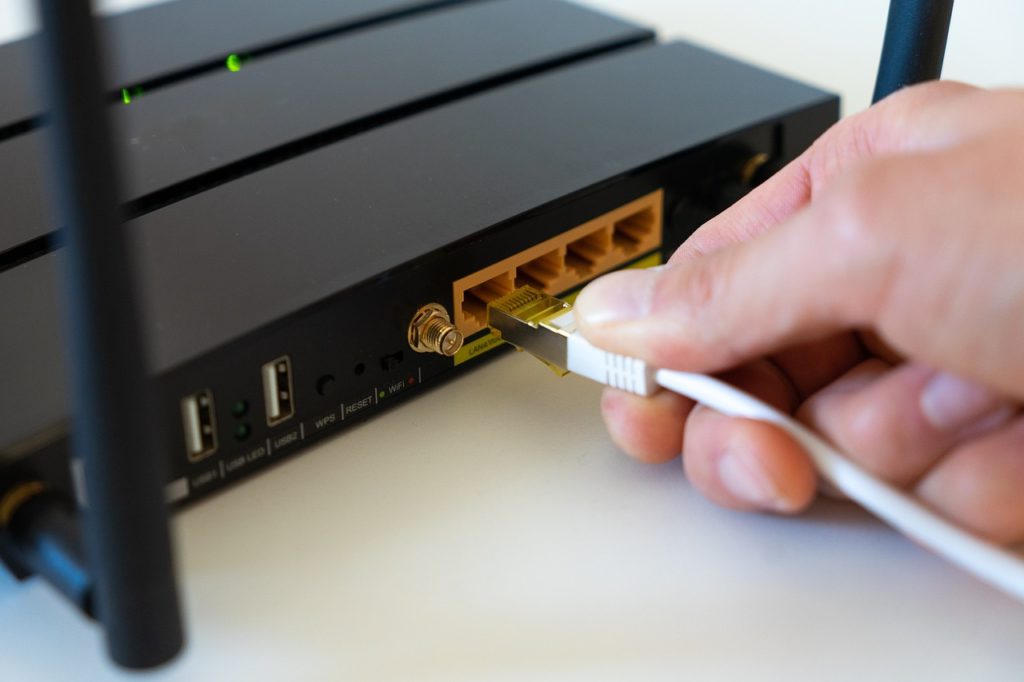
<point>277,390</point>
<point>200,428</point>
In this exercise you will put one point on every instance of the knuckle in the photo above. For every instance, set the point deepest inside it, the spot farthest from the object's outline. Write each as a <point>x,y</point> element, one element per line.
<point>856,210</point>
<point>911,99</point>
<point>694,306</point>
<point>693,288</point>
<point>870,433</point>
<point>702,288</point>
<point>849,141</point>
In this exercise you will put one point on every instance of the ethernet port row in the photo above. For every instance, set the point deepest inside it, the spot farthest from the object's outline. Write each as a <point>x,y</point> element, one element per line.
<point>568,260</point>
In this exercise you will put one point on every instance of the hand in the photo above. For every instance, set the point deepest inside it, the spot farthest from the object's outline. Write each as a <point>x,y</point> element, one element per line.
<point>906,222</point>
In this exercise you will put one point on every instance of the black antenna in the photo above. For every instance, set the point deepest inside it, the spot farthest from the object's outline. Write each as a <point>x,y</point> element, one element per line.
<point>125,516</point>
<point>915,44</point>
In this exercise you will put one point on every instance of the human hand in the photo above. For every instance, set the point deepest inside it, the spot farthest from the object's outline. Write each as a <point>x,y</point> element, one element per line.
<point>906,221</point>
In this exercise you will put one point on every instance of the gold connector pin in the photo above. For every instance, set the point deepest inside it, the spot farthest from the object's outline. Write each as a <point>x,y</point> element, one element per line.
<point>534,321</point>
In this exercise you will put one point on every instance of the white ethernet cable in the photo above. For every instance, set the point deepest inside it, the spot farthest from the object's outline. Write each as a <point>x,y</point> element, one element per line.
<point>544,326</point>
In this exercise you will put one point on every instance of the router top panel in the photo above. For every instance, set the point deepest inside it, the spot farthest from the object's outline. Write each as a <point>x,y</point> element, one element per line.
<point>224,121</point>
<point>147,45</point>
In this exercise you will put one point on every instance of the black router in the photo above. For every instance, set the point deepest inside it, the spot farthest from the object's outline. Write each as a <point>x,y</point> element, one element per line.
<point>318,199</point>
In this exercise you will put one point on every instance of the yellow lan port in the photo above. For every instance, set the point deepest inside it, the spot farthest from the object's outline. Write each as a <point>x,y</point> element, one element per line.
<point>556,265</point>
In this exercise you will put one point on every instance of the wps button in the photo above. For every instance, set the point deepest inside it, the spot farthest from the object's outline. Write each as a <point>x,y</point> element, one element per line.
<point>325,385</point>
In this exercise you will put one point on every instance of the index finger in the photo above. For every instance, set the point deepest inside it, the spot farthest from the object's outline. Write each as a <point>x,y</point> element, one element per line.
<point>897,124</point>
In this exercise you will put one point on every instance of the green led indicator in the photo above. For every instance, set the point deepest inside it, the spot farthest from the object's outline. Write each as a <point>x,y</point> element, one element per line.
<point>242,431</point>
<point>128,94</point>
<point>234,63</point>
<point>239,408</point>
<point>382,394</point>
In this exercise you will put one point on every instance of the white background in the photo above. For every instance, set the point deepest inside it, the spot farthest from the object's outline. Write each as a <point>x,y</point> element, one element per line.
<point>489,530</point>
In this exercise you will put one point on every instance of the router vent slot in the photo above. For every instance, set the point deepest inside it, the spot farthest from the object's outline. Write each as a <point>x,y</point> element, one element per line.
<point>563,262</point>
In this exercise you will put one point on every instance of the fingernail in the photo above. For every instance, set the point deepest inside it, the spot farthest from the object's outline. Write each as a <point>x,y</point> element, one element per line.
<point>618,297</point>
<point>950,403</point>
<point>742,475</point>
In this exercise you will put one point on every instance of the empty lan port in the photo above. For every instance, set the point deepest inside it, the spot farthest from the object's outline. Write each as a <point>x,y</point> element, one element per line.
<point>574,257</point>
<point>477,298</point>
<point>634,231</point>
<point>277,390</point>
<point>200,428</point>
<point>587,255</point>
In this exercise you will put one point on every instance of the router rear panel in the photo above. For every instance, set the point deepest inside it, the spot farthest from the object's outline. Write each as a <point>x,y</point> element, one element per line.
<point>350,354</point>
<point>323,258</point>
<point>220,125</point>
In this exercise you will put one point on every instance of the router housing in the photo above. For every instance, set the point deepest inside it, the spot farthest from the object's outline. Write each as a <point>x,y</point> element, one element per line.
<point>300,190</point>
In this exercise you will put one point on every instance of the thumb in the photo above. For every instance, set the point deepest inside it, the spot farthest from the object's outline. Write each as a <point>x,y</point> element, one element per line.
<point>802,280</point>
<point>883,249</point>
<point>737,304</point>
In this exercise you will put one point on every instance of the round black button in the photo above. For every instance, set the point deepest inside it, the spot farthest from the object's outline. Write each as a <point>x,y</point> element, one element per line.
<point>325,385</point>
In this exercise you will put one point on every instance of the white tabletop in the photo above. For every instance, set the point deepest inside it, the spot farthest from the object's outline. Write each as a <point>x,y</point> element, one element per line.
<point>487,529</point>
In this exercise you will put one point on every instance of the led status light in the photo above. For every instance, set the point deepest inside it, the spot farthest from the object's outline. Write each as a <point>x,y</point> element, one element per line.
<point>234,62</point>
<point>128,94</point>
